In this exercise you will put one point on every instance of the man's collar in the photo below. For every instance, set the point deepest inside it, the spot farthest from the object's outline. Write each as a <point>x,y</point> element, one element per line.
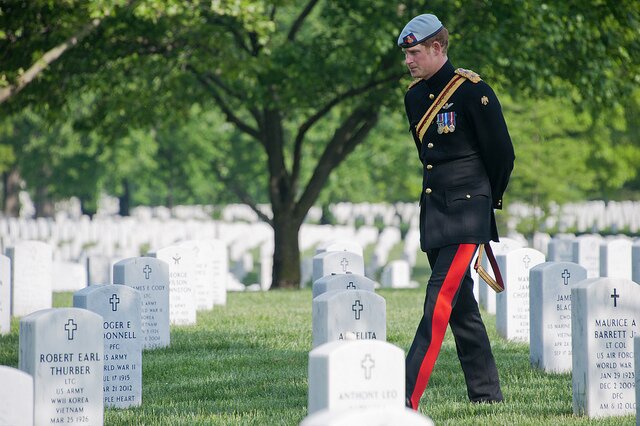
<point>441,77</point>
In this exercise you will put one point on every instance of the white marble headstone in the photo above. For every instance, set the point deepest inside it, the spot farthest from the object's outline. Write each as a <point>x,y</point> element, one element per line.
<point>605,317</point>
<point>181,261</point>
<point>560,249</point>
<point>220,271</point>
<point>266,265</point>
<point>486,295</point>
<point>119,306</point>
<point>396,274</point>
<point>150,277</point>
<point>5,294</point>
<point>340,245</point>
<point>31,275</point>
<point>68,276</point>
<point>615,258</point>
<point>636,357</point>
<point>341,314</point>
<point>550,285</point>
<point>379,416</point>
<point>635,262</point>
<point>586,253</point>
<point>337,262</point>
<point>98,269</point>
<point>203,273</point>
<point>512,305</point>
<point>342,282</point>
<point>63,350</point>
<point>540,242</point>
<point>16,397</point>
<point>356,374</point>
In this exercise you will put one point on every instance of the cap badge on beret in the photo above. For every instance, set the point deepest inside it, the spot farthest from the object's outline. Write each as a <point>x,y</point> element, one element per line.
<point>409,39</point>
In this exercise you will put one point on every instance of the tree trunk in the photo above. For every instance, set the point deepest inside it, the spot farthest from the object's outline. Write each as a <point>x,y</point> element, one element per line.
<point>286,253</point>
<point>125,199</point>
<point>42,202</point>
<point>11,186</point>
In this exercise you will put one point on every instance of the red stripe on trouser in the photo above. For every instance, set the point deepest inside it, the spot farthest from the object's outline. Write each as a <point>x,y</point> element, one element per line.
<point>441,314</point>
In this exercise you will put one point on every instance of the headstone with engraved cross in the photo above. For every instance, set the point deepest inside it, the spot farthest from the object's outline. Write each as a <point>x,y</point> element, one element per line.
<point>342,282</point>
<point>182,268</point>
<point>5,294</point>
<point>339,314</point>
<point>119,306</point>
<point>150,277</point>
<point>356,374</point>
<point>550,285</point>
<point>512,305</point>
<point>605,317</point>
<point>16,397</point>
<point>63,349</point>
<point>337,262</point>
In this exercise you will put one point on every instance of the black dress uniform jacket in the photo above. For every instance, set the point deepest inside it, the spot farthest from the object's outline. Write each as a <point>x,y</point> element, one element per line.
<point>466,170</point>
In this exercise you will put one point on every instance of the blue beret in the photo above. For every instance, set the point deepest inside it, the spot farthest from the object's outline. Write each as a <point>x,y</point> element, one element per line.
<point>419,29</point>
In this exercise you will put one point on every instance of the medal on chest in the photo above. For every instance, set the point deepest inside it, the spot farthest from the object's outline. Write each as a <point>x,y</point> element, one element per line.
<point>446,122</point>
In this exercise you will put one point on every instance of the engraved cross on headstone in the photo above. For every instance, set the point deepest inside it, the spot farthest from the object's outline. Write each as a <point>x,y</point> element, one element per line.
<point>615,296</point>
<point>357,308</point>
<point>70,327</point>
<point>526,260</point>
<point>351,285</point>
<point>114,300</point>
<point>147,271</point>
<point>367,365</point>
<point>344,264</point>
<point>566,275</point>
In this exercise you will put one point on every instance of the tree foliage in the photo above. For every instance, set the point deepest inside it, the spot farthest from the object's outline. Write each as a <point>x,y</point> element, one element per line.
<point>270,98</point>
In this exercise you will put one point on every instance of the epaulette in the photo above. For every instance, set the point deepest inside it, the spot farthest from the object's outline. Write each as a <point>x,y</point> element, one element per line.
<point>413,83</point>
<point>474,77</point>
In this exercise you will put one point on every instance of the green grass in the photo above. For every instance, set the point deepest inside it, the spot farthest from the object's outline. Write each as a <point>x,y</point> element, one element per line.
<point>246,364</point>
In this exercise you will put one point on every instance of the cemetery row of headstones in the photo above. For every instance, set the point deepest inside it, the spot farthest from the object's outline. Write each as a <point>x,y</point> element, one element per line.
<point>590,216</point>
<point>84,250</point>
<point>574,323</point>
<point>79,360</point>
<point>354,375</point>
<point>601,312</point>
<point>536,308</point>
<point>197,272</point>
<point>84,358</point>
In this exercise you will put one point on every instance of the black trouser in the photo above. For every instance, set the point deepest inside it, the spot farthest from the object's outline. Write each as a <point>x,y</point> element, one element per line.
<point>450,300</point>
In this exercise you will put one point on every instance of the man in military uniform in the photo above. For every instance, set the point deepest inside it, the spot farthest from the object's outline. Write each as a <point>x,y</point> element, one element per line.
<point>467,156</point>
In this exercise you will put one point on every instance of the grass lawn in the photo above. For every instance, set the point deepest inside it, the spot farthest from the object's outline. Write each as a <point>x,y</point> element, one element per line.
<point>246,364</point>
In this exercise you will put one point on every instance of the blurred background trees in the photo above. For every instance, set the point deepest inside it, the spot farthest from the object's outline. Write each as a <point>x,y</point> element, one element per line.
<point>296,103</point>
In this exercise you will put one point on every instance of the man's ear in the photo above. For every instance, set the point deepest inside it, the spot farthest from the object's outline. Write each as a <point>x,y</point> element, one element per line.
<point>437,47</point>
